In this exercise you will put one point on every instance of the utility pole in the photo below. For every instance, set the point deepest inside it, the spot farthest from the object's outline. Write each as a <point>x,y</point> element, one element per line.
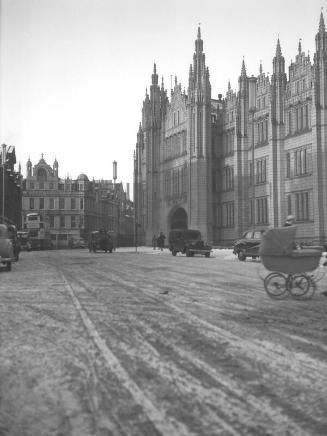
<point>4,149</point>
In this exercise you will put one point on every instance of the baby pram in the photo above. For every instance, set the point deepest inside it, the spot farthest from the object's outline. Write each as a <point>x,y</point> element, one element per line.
<point>290,266</point>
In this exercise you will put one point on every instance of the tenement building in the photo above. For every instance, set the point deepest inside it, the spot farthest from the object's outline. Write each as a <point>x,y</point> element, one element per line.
<point>246,160</point>
<point>72,208</point>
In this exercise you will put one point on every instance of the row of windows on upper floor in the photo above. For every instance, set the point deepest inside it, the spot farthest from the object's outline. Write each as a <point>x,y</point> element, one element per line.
<point>72,222</point>
<point>55,203</point>
<point>68,187</point>
<point>298,86</point>
<point>174,145</point>
<point>62,203</point>
<point>176,119</point>
<point>65,222</point>
<point>261,104</point>
<point>299,204</point>
<point>298,121</point>
<point>295,88</point>
<point>224,213</point>
<point>261,132</point>
<point>298,164</point>
<point>175,181</point>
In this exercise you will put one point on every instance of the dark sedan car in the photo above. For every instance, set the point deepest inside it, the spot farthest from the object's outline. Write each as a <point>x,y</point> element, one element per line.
<point>248,245</point>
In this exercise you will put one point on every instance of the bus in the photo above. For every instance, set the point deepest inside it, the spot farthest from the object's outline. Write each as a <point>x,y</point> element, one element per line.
<point>38,230</point>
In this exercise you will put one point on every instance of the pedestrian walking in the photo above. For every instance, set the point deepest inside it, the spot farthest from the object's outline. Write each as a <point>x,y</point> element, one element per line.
<point>161,241</point>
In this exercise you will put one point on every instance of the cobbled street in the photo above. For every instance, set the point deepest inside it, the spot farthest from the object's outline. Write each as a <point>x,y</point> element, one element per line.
<point>146,344</point>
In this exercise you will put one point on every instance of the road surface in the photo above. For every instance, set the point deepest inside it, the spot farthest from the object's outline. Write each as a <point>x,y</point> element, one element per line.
<point>149,344</point>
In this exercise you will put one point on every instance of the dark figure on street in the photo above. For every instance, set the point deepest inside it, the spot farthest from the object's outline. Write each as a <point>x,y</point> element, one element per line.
<point>161,241</point>
<point>154,242</point>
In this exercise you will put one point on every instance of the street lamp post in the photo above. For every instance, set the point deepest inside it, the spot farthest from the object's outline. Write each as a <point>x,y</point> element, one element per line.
<point>4,148</point>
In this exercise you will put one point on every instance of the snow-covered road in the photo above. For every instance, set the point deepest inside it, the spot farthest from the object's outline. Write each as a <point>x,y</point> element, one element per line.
<point>150,344</point>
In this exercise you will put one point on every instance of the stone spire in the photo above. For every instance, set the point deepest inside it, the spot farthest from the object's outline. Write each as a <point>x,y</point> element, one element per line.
<point>154,75</point>
<point>278,60</point>
<point>321,23</point>
<point>278,49</point>
<point>321,37</point>
<point>199,42</point>
<point>243,70</point>
<point>300,46</point>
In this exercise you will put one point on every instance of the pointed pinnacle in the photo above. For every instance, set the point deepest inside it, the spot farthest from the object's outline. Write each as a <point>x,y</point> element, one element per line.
<point>278,49</point>
<point>321,23</point>
<point>243,71</point>
<point>199,31</point>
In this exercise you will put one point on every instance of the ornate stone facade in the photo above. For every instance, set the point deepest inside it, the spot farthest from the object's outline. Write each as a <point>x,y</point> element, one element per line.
<point>72,208</point>
<point>249,159</point>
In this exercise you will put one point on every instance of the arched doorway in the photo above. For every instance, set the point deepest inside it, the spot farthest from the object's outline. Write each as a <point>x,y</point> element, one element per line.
<point>178,219</point>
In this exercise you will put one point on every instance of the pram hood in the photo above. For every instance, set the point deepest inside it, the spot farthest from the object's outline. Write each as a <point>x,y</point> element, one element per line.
<point>278,241</point>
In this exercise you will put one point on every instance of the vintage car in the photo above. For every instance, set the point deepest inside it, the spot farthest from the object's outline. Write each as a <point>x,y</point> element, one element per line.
<point>187,242</point>
<point>248,245</point>
<point>100,240</point>
<point>6,247</point>
<point>24,239</point>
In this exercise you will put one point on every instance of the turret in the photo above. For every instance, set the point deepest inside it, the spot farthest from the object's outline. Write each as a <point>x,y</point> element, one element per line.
<point>243,80</point>
<point>278,84</point>
<point>321,37</point>
<point>55,168</point>
<point>154,75</point>
<point>278,61</point>
<point>155,98</point>
<point>146,110</point>
<point>29,168</point>
<point>199,86</point>
<point>199,42</point>
<point>320,61</point>
<point>199,142</point>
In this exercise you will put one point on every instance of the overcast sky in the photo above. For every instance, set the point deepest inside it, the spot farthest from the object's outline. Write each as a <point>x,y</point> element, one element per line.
<point>74,72</point>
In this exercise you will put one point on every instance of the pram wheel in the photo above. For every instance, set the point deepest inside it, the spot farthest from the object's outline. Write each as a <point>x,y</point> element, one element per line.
<point>300,284</point>
<point>276,285</point>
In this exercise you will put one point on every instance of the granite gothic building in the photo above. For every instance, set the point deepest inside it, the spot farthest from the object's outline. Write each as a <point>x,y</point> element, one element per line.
<point>246,160</point>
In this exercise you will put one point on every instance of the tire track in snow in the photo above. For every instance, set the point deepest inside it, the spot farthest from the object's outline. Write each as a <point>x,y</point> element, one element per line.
<point>163,423</point>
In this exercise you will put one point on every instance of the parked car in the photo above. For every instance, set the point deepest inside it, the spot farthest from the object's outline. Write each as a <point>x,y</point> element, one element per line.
<point>6,247</point>
<point>189,242</point>
<point>248,245</point>
<point>24,239</point>
<point>100,240</point>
